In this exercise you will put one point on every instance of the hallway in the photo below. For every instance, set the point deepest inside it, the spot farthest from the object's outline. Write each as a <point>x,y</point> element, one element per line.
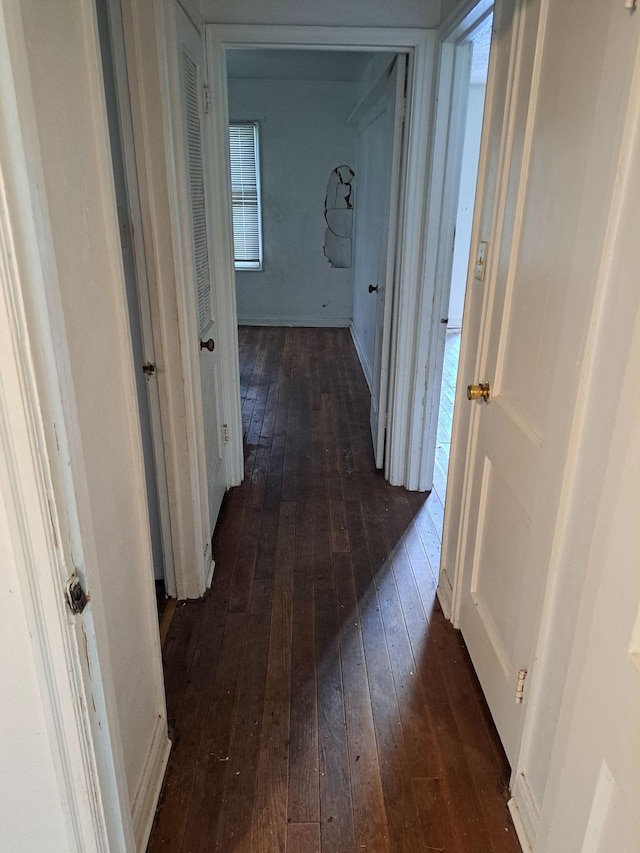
<point>317,698</point>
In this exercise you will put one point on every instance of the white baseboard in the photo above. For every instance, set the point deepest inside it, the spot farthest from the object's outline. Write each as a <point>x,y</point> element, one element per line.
<point>298,322</point>
<point>145,801</point>
<point>209,579</point>
<point>519,824</point>
<point>366,369</point>
<point>445,595</point>
<point>528,814</point>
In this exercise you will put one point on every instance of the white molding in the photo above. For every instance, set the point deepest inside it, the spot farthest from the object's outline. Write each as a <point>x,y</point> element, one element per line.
<point>210,571</point>
<point>218,172</point>
<point>364,363</point>
<point>419,44</point>
<point>145,800</point>
<point>444,181</point>
<point>519,826</point>
<point>297,322</point>
<point>408,294</point>
<point>523,804</point>
<point>445,595</point>
<point>393,39</point>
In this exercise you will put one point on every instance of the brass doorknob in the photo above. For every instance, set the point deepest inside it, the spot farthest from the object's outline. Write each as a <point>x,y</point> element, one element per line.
<point>210,344</point>
<point>483,390</point>
<point>373,288</point>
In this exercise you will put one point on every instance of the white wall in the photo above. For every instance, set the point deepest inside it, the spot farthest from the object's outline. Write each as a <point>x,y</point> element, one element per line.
<point>303,137</point>
<point>466,199</point>
<point>334,13</point>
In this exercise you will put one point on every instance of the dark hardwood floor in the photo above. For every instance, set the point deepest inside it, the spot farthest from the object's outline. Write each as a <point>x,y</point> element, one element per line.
<point>318,700</point>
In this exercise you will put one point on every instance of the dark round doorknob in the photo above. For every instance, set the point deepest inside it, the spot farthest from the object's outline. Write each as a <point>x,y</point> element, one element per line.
<point>210,344</point>
<point>373,288</point>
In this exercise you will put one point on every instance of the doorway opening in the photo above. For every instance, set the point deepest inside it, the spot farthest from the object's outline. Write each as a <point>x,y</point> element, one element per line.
<point>475,44</point>
<point>329,126</point>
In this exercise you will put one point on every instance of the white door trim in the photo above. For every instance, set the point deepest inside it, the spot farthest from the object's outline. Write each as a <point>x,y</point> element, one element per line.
<point>447,135</point>
<point>419,45</point>
<point>387,39</point>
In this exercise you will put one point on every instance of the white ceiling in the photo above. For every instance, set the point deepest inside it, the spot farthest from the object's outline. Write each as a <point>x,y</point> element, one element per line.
<point>279,64</point>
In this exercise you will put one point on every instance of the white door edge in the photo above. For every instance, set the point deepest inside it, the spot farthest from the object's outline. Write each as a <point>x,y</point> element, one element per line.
<point>379,417</point>
<point>191,568</point>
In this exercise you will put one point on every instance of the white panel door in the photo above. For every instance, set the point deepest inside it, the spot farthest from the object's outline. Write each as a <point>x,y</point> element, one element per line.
<point>603,741</point>
<point>501,577</point>
<point>192,77</point>
<point>379,150</point>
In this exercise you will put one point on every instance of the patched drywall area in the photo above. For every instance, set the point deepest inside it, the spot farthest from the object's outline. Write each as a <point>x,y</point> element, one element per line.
<point>304,139</point>
<point>338,214</point>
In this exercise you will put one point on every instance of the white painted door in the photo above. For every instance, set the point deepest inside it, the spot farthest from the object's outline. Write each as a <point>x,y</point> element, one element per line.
<point>506,339</point>
<point>602,735</point>
<point>192,90</point>
<point>376,226</point>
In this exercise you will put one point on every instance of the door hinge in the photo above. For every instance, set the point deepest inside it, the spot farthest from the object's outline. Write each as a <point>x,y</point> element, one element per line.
<point>225,433</point>
<point>522,674</point>
<point>77,598</point>
<point>206,99</point>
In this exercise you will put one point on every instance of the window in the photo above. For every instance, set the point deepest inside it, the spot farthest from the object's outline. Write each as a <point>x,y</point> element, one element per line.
<point>245,196</point>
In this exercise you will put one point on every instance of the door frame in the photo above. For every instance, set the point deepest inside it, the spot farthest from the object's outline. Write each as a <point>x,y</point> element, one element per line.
<point>420,47</point>
<point>448,134</point>
<point>455,522</point>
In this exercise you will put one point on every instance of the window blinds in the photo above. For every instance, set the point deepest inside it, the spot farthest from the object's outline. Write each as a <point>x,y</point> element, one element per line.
<point>245,196</point>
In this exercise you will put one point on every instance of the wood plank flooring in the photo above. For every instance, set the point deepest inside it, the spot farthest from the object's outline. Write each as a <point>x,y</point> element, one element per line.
<point>318,700</point>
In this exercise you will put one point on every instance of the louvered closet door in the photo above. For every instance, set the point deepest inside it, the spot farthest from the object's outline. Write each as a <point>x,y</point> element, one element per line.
<point>191,59</point>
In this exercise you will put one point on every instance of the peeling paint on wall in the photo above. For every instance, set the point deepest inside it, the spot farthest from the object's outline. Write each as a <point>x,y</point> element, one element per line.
<point>338,214</point>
